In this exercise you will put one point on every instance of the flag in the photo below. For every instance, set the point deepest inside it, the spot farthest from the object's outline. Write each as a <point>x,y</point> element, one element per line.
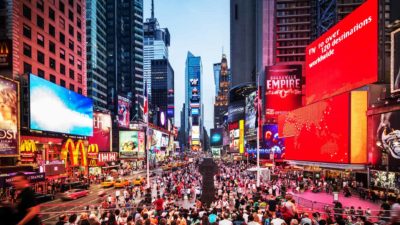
<point>145,105</point>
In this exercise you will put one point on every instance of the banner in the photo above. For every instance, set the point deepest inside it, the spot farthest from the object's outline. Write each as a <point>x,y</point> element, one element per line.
<point>8,117</point>
<point>101,131</point>
<point>283,89</point>
<point>124,106</point>
<point>251,115</point>
<point>395,62</point>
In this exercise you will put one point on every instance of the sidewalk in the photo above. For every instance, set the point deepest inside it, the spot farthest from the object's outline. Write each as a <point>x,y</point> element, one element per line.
<point>322,198</point>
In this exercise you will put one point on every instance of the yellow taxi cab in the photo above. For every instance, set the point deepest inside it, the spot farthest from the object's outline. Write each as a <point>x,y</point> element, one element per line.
<point>166,167</point>
<point>107,183</point>
<point>121,183</point>
<point>138,181</point>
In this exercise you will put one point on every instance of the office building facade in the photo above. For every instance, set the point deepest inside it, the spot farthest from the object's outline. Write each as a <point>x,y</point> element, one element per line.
<point>221,99</point>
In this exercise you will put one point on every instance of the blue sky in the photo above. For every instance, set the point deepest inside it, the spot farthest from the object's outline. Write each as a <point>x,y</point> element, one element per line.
<point>199,26</point>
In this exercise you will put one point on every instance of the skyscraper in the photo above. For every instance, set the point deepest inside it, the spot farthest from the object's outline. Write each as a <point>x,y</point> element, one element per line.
<point>217,70</point>
<point>96,52</point>
<point>193,99</point>
<point>156,43</point>
<point>221,99</point>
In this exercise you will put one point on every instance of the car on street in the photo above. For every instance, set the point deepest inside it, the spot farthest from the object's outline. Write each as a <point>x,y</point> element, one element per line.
<point>138,181</point>
<point>42,197</point>
<point>121,183</point>
<point>74,194</point>
<point>107,183</point>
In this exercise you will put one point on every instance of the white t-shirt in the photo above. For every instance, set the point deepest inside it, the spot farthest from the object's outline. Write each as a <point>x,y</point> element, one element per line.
<point>277,221</point>
<point>225,222</point>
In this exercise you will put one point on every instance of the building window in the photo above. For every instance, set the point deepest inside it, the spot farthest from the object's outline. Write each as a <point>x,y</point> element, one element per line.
<point>40,73</point>
<point>52,30</point>
<point>62,69</point>
<point>62,83</point>
<point>40,40</point>
<point>79,23</point>
<point>27,31</point>
<point>62,53</point>
<point>52,14</point>
<point>62,23</point>
<point>26,11</point>
<point>71,59</point>
<point>71,45</point>
<point>61,6</point>
<point>40,57</point>
<point>71,87</point>
<point>40,5</point>
<point>71,30</point>
<point>79,63</point>
<point>79,36</point>
<point>79,90</point>
<point>52,78</point>
<point>52,47</point>
<point>79,50</point>
<point>78,9</point>
<point>52,63</point>
<point>80,78</point>
<point>40,21</point>
<point>27,50</point>
<point>71,3</point>
<point>72,74</point>
<point>27,68</point>
<point>62,38</point>
<point>71,15</point>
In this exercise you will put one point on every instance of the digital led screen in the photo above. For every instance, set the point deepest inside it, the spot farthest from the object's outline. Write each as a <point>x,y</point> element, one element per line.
<point>272,142</point>
<point>195,111</point>
<point>236,111</point>
<point>346,56</point>
<point>395,61</point>
<point>318,132</point>
<point>124,106</point>
<point>130,143</point>
<point>250,115</point>
<point>195,132</point>
<point>9,117</point>
<point>216,137</point>
<point>282,89</point>
<point>57,109</point>
<point>101,131</point>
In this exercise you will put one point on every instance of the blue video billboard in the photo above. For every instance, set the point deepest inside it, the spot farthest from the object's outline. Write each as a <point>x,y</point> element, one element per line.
<point>57,109</point>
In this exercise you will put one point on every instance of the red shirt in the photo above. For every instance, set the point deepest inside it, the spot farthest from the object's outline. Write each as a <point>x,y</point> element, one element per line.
<point>159,203</point>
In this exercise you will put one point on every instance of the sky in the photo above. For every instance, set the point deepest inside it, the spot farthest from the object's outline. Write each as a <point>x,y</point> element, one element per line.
<point>198,26</point>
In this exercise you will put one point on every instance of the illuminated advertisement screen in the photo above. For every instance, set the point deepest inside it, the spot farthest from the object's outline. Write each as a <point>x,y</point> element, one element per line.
<point>195,111</point>
<point>195,132</point>
<point>124,106</point>
<point>57,109</point>
<point>384,130</point>
<point>164,140</point>
<point>250,115</point>
<point>346,56</point>
<point>216,137</point>
<point>318,132</point>
<point>9,117</point>
<point>283,89</point>
<point>272,142</point>
<point>130,143</point>
<point>236,111</point>
<point>101,131</point>
<point>395,61</point>
<point>159,139</point>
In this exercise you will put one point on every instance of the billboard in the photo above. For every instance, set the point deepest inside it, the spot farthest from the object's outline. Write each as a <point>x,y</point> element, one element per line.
<point>216,137</point>
<point>124,106</point>
<point>9,117</point>
<point>282,89</point>
<point>101,131</point>
<point>395,62</point>
<point>57,109</point>
<point>236,111</point>
<point>250,115</point>
<point>216,152</point>
<point>346,56</point>
<point>195,132</point>
<point>195,111</point>
<point>272,143</point>
<point>384,130</point>
<point>5,54</point>
<point>333,130</point>
<point>130,143</point>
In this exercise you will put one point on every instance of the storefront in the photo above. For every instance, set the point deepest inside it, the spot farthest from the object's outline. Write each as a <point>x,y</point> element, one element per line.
<point>37,179</point>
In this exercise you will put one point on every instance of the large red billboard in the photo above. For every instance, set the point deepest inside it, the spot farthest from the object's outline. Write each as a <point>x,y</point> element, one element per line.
<point>101,131</point>
<point>282,89</point>
<point>345,57</point>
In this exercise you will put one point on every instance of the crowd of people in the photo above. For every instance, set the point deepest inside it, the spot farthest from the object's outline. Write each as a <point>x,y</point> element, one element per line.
<point>173,199</point>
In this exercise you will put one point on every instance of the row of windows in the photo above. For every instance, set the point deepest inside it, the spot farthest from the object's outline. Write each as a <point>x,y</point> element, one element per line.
<point>52,78</point>
<point>61,6</point>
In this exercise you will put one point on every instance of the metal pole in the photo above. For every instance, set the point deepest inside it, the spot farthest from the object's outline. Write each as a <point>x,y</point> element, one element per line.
<point>258,131</point>
<point>387,175</point>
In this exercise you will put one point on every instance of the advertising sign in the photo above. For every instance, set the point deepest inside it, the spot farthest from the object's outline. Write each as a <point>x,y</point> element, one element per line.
<point>283,89</point>
<point>346,56</point>
<point>130,143</point>
<point>124,106</point>
<point>107,157</point>
<point>5,54</point>
<point>216,152</point>
<point>57,109</point>
<point>101,131</point>
<point>31,176</point>
<point>236,111</point>
<point>216,137</point>
<point>195,132</point>
<point>272,142</point>
<point>8,117</point>
<point>385,132</point>
<point>250,115</point>
<point>241,136</point>
<point>395,62</point>
<point>195,111</point>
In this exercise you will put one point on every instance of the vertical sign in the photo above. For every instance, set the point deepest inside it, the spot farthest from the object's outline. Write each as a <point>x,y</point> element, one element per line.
<point>241,136</point>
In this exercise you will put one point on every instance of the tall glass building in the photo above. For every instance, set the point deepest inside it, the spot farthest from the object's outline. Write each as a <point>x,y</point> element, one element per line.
<point>96,52</point>
<point>193,99</point>
<point>216,70</point>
